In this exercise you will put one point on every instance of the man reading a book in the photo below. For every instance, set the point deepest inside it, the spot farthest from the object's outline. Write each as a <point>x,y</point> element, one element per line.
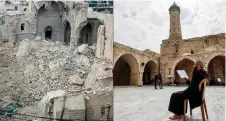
<point>192,93</point>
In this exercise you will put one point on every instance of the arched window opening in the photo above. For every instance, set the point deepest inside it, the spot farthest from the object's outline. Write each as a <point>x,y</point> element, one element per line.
<point>22,27</point>
<point>48,33</point>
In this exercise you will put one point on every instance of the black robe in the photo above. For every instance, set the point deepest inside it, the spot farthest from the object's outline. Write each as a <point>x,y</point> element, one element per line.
<point>192,93</point>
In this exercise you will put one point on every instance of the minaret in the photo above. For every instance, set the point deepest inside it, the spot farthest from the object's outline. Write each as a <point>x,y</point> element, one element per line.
<point>175,28</point>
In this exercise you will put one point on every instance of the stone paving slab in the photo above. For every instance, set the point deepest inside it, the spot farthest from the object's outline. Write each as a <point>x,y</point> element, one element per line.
<point>147,104</point>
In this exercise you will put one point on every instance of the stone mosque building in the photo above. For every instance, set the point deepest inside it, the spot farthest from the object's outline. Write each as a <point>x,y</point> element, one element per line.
<point>134,67</point>
<point>72,23</point>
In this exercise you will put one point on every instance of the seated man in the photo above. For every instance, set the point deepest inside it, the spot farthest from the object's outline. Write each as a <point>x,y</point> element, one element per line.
<point>192,93</point>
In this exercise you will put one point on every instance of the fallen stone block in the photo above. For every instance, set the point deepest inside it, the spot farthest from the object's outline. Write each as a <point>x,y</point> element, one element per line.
<point>75,79</point>
<point>85,49</point>
<point>73,106</point>
<point>44,104</point>
<point>100,107</point>
<point>82,48</point>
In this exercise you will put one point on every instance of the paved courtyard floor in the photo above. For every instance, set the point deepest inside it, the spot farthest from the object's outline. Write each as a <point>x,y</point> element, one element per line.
<point>147,104</point>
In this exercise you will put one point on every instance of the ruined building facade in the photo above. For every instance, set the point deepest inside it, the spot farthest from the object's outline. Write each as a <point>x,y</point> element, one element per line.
<point>66,21</point>
<point>175,54</point>
<point>59,48</point>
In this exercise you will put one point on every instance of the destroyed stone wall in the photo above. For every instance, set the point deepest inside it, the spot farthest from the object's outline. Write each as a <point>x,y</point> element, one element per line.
<point>14,21</point>
<point>50,18</point>
<point>107,19</point>
<point>4,33</point>
<point>36,67</point>
<point>24,30</point>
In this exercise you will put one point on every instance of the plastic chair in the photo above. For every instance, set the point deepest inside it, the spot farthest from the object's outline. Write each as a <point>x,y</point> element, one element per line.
<point>203,105</point>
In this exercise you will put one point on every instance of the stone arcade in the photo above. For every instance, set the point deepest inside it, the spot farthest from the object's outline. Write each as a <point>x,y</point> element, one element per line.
<point>134,67</point>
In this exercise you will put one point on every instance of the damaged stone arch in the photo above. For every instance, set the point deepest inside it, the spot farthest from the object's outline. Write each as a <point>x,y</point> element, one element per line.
<point>150,70</point>
<point>88,34</point>
<point>63,7</point>
<point>183,64</point>
<point>126,70</point>
<point>216,68</point>
<point>49,15</point>
<point>67,32</point>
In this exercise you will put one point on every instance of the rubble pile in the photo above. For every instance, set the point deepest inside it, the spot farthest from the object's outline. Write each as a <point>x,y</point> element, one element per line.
<point>36,67</point>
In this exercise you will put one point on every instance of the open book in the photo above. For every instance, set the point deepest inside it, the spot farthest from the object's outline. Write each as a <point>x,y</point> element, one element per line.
<point>182,74</point>
<point>219,80</point>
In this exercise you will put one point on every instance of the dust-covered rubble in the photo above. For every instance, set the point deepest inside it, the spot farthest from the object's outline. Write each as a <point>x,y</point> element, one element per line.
<point>36,67</point>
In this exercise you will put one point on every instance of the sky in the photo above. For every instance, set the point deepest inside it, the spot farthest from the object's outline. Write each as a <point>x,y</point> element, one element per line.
<point>144,24</point>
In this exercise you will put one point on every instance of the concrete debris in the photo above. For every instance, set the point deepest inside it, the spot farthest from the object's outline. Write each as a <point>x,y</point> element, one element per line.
<point>37,67</point>
<point>98,71</point>
<point>86,50</point>
<point>37,38</point>
<point>73,106</point>
<point>75,79</point>
<point>82,48</point>
<point>45,103</point>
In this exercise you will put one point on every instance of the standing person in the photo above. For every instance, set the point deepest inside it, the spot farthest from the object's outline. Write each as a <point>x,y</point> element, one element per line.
<point>160,80</point>
<point>156,79</point>
<point>192,93</point>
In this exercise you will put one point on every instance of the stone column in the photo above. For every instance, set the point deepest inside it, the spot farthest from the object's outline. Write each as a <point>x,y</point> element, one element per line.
<point>134,78</point>
<point>74,42</point>
<point>100,42</point>
<point>140,81</point>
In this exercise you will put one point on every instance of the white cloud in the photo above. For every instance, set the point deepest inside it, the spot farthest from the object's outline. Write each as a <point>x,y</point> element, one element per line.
<point>144,24</point>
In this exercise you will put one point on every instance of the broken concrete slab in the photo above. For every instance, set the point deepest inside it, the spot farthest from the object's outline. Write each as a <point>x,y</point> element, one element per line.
<point>23,49</point>
<point>73,106</point>
<point>44,104</point>
<point>82,48</point>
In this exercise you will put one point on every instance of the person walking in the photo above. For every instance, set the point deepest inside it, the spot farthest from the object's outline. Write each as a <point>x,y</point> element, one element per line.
<point>156,79</point>
<point>160,80</point>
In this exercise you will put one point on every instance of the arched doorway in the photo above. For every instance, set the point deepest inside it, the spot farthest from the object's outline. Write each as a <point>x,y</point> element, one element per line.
<point>67,32</point>
<point>49,15</point>
<point>216,68</point>
<point>86,35</point>
<point>126,71</point>
<point>185,64</point>
<point>48,33</point>
<point>149,71</point>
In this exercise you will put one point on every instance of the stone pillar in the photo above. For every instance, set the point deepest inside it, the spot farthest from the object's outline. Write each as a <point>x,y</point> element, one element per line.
<point>74,42</point>
<point>94,35</point>
<point>140,80</point>
<point>100,42</point>
<point>134,78</point>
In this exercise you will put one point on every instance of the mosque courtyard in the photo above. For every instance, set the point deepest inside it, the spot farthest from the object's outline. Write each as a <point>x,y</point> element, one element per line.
<point>147,104</point>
